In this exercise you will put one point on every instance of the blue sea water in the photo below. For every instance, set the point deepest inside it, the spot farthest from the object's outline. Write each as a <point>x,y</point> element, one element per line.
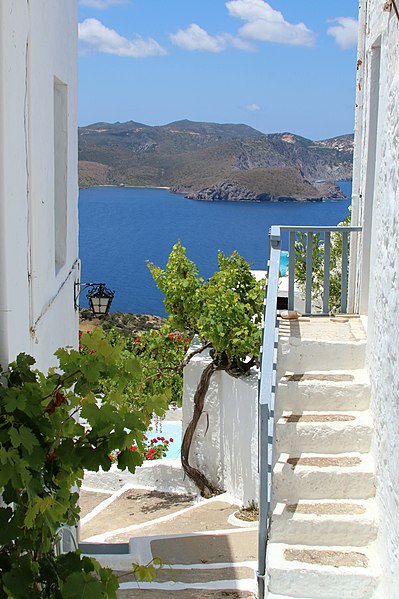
<point>121,228</point>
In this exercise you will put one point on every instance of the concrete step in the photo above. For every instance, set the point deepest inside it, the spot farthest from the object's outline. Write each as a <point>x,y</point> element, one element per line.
<point>324,432</point>
<point>323,476</point>
<point>310,522</point>
<point>323,390</point>
<point>321,572</point>
<point>321,344</point>
<point>311,354</point>
<point>200,574</point>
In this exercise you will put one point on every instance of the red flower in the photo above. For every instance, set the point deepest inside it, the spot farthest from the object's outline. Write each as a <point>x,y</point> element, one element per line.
<point>171,440</point>
<point>167,442</point>
<point>171,336</point>
<point>186,348</point>
<point>160,332</point>
<point>178,337</point>
<point>145,438</point>
<point>133,448</point>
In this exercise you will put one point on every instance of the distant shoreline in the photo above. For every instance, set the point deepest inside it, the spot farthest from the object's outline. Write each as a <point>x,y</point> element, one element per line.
<point>129,186</point>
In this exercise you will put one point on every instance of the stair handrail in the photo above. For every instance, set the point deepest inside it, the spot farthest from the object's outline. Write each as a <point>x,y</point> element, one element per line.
<point>267,390</point>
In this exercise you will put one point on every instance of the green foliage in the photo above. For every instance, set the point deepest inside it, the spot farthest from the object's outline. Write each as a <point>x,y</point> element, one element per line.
<point>318,266</point>
<point>224,311</point>
<point>148,572</point>
<point>44,449</point>
<point>181,286</point>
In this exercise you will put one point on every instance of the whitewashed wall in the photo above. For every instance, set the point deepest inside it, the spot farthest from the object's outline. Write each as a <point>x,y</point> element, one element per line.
<point>376,206</point>
<point>228,452</point>
<point>38,44</point>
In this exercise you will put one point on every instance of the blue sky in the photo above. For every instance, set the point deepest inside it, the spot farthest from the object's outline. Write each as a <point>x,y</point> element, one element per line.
<point>283,65</point>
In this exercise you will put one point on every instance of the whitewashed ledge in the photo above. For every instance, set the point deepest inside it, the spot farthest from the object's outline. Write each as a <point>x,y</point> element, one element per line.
<point>164,475</point>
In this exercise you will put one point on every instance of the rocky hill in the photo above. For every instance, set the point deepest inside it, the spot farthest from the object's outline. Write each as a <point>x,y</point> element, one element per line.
<point>213,161</point>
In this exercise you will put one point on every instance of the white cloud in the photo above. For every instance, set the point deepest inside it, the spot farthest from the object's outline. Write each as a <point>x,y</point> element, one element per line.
<point>344,32</point>
<point>99,38</point>
<point>265,24</point>
<point>252,107</point>
<point>196,38</point>
<point>241,44</point>
<point>101,4</point>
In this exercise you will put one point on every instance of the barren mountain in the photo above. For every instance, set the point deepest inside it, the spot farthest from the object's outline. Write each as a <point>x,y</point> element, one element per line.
<point>207,159</point>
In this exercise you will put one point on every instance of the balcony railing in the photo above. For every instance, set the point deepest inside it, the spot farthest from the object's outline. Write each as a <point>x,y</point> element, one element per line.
<point>267,379</point>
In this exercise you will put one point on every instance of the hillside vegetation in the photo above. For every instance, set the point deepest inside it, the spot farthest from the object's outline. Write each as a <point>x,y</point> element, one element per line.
<point>198,158</point>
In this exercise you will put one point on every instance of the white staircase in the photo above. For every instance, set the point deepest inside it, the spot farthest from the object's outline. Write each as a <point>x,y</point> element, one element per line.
<point>324,524</point>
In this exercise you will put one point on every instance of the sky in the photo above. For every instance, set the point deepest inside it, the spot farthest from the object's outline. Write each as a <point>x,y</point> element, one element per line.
<point>283,65</point>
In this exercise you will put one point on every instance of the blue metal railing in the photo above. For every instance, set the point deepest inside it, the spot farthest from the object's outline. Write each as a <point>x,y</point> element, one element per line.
<point>268,369</point>
<point>309,233</point>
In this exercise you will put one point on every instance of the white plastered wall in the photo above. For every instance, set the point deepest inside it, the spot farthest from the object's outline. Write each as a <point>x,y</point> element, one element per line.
<point>38,43</point>
<point>379,39</point>
<point>225,444</point>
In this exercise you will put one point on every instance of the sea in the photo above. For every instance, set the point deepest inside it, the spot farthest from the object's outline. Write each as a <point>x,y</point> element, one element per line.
<point>124,228</point>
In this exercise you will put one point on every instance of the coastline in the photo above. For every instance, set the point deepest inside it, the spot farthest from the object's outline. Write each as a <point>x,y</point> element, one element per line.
<point>127,186</point>
<point>271,199</point>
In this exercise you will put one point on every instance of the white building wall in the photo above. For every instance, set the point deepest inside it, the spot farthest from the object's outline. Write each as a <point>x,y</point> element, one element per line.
<point>376,205</point>
<point>38,43</point>
<point>225,444</point>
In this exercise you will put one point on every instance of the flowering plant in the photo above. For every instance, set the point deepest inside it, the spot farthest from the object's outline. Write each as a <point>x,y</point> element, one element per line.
<point>152,449</point>
<point>155,448</point>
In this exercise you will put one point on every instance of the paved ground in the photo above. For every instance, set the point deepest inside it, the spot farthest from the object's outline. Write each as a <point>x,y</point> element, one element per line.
<point>133,507</point>
<point>205,552</point>
<point>213,516</point>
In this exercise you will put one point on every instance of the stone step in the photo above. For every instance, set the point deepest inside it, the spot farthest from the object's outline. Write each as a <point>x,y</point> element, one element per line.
<point>321,572</point>
<point>312,354</point>
<point>310,522</point>
<point>196,573</point>
<point>323,476</point>
<point>323,390</point>
<point>324,432</point>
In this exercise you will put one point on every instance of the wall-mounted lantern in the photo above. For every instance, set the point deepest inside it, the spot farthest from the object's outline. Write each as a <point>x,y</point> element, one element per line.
<point>99,296</point>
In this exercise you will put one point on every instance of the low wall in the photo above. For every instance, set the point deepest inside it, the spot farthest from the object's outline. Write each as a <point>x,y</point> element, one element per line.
<point>228,451</point>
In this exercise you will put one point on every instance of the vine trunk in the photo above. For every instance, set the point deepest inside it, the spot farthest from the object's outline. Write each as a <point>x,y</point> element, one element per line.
<point>206,488</point>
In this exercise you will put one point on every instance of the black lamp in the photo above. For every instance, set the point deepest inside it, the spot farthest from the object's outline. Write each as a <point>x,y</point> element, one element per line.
<point>99,296</point>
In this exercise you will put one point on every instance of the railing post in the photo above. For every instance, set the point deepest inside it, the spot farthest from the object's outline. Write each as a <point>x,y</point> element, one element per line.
<point>326,284</point>
<point>291,272</point>
<point>344,280</point>
<point>309,268</point>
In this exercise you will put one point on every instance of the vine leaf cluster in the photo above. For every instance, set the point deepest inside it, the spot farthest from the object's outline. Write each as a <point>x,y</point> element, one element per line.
<point>225,312</point>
